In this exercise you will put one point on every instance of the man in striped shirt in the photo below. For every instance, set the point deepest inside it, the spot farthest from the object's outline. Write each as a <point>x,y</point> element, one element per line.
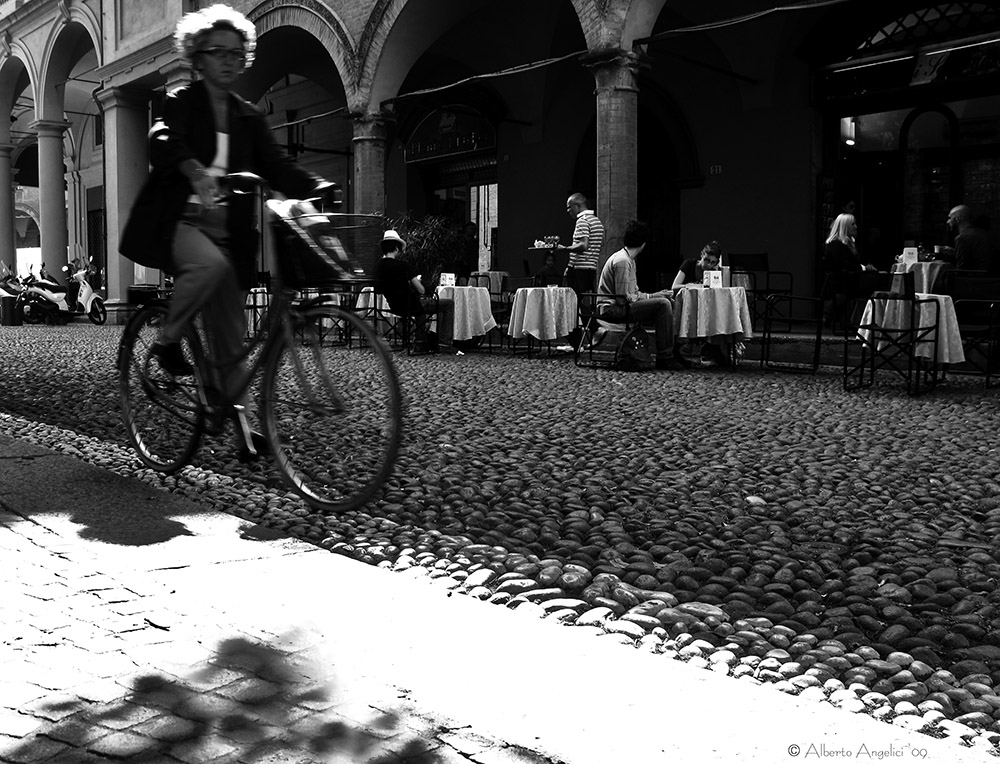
<point>588,244</point>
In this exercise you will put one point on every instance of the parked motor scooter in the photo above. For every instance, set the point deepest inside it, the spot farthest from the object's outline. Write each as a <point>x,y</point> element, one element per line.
<point>10,284</point>
<point>45,300</point>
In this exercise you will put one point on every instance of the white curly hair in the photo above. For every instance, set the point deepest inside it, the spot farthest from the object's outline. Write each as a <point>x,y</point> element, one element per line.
<point>194,28</point>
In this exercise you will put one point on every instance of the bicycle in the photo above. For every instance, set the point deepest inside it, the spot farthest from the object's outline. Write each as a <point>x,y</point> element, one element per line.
<point>330,401</point>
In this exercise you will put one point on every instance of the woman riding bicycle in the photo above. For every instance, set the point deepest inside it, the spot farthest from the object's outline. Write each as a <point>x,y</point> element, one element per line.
<point>180,223</point>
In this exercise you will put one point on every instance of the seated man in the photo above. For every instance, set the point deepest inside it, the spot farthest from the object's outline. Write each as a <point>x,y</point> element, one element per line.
<point>972,244</point>
<point>549,274</point>
<point>405,293</point>
<point>618,277</point>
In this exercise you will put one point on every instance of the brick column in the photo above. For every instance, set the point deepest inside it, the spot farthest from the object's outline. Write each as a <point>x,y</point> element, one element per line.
<point>369,163</point>
<point>8,242</point>
<point>126,158</point>
<point>617,142</point>
<point>52,193</point>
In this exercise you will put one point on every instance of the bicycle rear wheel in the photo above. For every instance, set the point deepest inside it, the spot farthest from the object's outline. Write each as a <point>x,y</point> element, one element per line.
<point>163,414</point>
<point>332,409</point>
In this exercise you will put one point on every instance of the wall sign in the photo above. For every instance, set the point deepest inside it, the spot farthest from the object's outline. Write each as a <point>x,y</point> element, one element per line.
<point>447,132</point>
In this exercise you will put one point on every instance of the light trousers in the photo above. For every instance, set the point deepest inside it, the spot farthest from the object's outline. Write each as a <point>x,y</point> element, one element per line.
<point>657,310</point>
<point>205,280</point>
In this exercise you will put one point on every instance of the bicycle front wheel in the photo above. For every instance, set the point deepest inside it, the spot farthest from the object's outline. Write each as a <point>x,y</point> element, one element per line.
<point>163,415</point>
<point>332,409</point>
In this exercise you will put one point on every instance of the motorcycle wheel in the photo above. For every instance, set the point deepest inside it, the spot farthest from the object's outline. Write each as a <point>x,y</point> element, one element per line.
<point>98,314</point>
<point>29,314</point>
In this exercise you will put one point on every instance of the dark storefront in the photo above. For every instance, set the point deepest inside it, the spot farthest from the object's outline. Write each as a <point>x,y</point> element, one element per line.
<point>912,126</point>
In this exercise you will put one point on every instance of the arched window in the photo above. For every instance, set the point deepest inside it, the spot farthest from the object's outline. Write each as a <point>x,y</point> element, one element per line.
<point>938,22</point>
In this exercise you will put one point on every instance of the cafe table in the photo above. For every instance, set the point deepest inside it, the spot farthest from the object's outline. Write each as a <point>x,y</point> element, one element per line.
<point>927,274</point>
<point>894,315</point>
<point>472,315</point>
<point>543,313</point>
<point>715,314</point>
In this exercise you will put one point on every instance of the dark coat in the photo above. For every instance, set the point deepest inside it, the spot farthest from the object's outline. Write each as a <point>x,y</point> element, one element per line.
<point>186,131</point>
<point>973,250</point>
<point>838,257</point>
<point>842,266</point>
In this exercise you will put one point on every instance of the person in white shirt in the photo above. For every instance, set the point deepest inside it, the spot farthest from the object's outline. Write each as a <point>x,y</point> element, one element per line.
<point>618,278</point>
<point>588,244</point>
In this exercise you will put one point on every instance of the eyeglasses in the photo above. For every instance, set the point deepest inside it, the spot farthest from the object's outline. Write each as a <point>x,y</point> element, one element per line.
<point>236,55</point>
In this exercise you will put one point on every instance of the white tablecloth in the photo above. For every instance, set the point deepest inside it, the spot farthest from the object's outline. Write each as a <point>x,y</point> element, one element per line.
<point>368,302</point>
<point>702,312</point>
<point>925,274</point>
<point>895,314</point>
<point>545,313</point>
<point>473,317</point>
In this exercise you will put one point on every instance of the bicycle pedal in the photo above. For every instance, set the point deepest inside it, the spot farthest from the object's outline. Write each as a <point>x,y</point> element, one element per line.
<point>248,445</point>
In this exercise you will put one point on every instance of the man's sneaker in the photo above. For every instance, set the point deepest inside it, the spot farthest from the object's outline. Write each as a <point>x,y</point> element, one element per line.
<point>683,362</point>
<point>670,364</point>
<point>171,359</point>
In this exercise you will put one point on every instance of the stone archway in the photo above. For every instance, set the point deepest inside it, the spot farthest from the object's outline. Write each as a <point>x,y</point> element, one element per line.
<point>318,22</point>
<point>72,48</point>
<point>15,80</point>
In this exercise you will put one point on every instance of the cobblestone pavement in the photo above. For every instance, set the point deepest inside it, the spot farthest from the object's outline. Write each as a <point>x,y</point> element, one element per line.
<point>205,638</point>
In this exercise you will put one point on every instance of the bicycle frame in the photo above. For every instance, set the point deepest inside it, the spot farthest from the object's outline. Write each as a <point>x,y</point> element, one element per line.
<point>331,412</point>
<point>276,328</point>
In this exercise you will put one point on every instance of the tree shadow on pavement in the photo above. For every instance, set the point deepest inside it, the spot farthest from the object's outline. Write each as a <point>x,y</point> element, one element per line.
<point>249,703</point>
<point>110,508</point>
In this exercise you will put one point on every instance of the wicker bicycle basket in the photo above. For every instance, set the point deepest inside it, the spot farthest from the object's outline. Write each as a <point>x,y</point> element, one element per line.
<point>317,250</point>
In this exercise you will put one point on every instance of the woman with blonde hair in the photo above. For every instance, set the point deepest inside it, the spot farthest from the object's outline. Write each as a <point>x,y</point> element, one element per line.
<point>841,264</point>
<point>181,222</point>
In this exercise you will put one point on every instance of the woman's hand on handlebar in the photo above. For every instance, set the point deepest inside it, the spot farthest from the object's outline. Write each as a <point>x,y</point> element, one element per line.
<point>203,183</point>
<point>331,194</point>
<point>207,188</point>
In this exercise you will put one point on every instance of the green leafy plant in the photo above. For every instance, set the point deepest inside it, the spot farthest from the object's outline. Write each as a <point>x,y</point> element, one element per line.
<point>433,244</point>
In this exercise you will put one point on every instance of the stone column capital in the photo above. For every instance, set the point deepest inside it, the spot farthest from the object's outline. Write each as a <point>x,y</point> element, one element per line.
<point>176,73</point>
<point>372,126</point>
<point>614,68</point>
<point>113,97</point>
<point>49,128</point>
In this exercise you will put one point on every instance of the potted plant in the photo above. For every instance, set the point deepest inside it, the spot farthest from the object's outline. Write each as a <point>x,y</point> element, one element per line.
<point>433,245</point>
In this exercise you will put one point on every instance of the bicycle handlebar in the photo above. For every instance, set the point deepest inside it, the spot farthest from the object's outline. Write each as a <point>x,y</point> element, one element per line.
<point>240,183</point>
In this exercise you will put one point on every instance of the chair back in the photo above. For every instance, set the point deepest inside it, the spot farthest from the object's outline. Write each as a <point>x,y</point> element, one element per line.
<point>973,285</point>
<point>963,275</point>
<point>976,298</point>
<point>479,280</point>
<point>903,284</point>
<point>864,284</point>
<point>512,283</point>
<point>746,261</point>
<point>550,279</point>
